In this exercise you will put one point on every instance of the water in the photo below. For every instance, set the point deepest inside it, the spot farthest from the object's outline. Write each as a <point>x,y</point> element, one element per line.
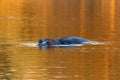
<point>23,23</point>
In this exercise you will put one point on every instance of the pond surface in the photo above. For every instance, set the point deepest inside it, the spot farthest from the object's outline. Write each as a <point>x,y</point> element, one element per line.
<point>26,21</point>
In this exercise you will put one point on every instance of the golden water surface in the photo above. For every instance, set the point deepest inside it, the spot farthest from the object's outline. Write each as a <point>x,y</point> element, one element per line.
<point>27,21</point>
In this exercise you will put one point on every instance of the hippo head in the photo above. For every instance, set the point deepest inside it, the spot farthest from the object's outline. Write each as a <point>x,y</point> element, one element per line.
<point>46,42</point>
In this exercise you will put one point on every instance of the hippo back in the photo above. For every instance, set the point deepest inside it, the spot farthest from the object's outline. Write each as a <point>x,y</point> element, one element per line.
<point>74,40</point>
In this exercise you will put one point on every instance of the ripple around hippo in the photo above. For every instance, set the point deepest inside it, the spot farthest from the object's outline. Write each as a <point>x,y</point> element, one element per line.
<point>62,42</point>
<point>62,46</point>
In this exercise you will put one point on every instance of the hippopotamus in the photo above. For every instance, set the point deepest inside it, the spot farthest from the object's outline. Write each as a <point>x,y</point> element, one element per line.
<point>47,42</point>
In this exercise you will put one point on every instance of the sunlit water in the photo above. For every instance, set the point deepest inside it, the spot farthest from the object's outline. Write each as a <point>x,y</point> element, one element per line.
<point>23,23</point>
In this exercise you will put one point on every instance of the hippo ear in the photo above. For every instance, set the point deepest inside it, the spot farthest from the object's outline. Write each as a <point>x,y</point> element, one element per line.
<point>40,41</point>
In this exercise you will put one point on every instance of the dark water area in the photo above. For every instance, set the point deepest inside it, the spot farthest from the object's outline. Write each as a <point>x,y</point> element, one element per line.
<point>25,22</point>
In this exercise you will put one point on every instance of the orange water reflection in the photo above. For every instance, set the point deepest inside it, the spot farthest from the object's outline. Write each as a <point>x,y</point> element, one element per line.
<point>27,21</point>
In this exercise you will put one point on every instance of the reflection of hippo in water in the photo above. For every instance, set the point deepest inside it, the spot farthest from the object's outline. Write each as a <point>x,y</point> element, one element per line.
<point>46,43</point>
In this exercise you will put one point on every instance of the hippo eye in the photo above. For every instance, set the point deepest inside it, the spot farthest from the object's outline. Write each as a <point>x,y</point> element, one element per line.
<point>40,41</point>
